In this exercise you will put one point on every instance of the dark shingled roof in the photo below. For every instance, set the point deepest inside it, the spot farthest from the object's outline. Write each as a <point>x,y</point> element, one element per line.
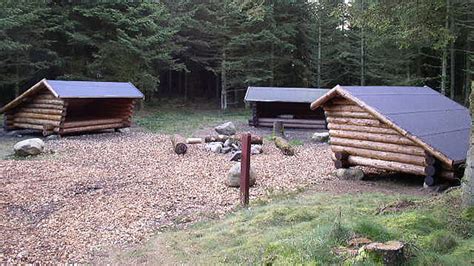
<point>424,113</point>
<point>93,89</point>
<point>276,94</point>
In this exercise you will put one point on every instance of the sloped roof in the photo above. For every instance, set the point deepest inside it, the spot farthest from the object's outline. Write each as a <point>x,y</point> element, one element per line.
<point>79,89</point>
<point>420,113</point>
<point>279,94</point>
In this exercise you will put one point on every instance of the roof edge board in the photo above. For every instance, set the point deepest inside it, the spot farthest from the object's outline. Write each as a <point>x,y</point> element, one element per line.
<point>50,88</point>
<point>18,100</point>
<point>400,130</point>
<point>317,103</point>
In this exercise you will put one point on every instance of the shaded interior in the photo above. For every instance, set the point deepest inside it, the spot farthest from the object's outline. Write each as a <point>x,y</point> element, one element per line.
<point>92,109</point>
<point>297,110</point>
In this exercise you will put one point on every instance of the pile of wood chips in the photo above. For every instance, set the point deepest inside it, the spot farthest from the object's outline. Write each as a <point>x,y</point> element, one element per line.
<point>112,190</point>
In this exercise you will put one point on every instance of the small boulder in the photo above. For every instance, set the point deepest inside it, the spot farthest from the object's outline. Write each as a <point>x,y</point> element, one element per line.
<point>227,128</point>
<point>215,147</point>
<point>53,137</point>
<point>349,174</point>
<point>233,176</point>
<point>320,137</point>
<point>125,130</point>
<point>29,147</point>
<point>256,149</point>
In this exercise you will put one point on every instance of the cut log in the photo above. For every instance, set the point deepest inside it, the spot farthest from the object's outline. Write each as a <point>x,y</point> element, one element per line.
<point>352,114</point>
<point>378,146</point>
<point>354,121</point>
<point>340,155</point>
<point>383,155</point>
<point>392,166</point>
<point>278,129</point>
<point>90,128</point>
<point>46,101</point>
<point>395,139</point>
<point>293,121</point>
<point>429,180</point>
<point>179,145</point>
<point>193,140</point>
<point>291,125</point>
<point>284,146</point>
<point>381,130</point>
<point>32,126</point>
<point>91,122</point>
<point>43,111</point>
<point>44,106</point>
<point>36,121</point>
<point>40,116</point>
<point>343,108</point>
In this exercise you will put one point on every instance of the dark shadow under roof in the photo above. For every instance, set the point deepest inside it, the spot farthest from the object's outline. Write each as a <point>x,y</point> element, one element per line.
<point>93,89</point>
<point>278,94</point>
<point>424,113</point>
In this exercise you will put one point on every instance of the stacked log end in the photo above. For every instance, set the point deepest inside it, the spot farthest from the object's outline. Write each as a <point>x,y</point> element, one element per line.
<point>358,138</point>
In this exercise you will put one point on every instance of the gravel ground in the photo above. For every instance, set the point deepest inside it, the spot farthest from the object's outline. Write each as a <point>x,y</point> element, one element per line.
<point>114,190</point>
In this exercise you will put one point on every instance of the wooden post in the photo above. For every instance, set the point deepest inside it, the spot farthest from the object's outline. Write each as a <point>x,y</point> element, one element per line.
<point>245,170</point>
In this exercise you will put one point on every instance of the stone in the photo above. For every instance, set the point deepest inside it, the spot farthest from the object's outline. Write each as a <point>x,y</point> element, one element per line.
<point>227,128</point>
<point>215,147</point>
<point>233,176</point>
<point>124,130</point>
<point>236,156</point>
<point>53,137</point>
<point>467,182</point>
<point>349,174</point>
<point>29,147</point>
<point>256,149</point>
<point>226,150</point>
<point>228,143</point>
<point>320,137</point>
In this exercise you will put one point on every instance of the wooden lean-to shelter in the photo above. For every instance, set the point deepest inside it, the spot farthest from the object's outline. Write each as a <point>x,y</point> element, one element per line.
<point>288,105</point>
<point>64,107</point>
<point>412,130</point>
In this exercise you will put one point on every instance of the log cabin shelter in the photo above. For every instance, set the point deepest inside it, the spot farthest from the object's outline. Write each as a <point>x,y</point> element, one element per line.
<point>65,107</point>
<point>288,105</point>
<point>413,130</point>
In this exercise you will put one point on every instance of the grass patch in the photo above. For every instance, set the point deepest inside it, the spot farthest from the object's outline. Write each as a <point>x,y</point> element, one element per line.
<point>306,229</point>
<point>296,142</point>
<point>177,117</point>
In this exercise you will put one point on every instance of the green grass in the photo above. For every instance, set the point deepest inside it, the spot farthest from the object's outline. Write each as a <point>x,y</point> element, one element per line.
<point>306,229</point>
<point>176,117</point>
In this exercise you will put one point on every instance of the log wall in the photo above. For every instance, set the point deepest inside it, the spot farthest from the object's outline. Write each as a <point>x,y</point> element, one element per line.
<point>358,138</point>
<point>44,112</point>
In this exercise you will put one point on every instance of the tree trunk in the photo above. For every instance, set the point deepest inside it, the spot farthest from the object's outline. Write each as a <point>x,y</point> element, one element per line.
<point>223,82</point>
<point>318,79</point>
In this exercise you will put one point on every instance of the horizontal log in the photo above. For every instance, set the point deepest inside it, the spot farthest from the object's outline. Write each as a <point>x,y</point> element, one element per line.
<point>267,124</point>
<point>383,155</point>
<point>43,111</point>
<point>44,106</point>
<point>40,116</point>
<point>391,166</point>
<point>32,126</point>
<point>343,108</point>
<point>36,121</point>
<point>381,130</point>
<point>378,146</point>
<point>396,139</point>
<point>91,122</point>
<point>341,101</point>
<point>91,128</point>
<point>293,121</point>
<point>45,96</point>
<point>354,121</point>
<point>48,101</point>
<point>352,114</point>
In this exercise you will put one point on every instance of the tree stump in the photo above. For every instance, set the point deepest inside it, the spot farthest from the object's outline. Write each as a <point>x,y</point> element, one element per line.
<point>278,129</point>
<point>391,252</point>
<point>179,144</point>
